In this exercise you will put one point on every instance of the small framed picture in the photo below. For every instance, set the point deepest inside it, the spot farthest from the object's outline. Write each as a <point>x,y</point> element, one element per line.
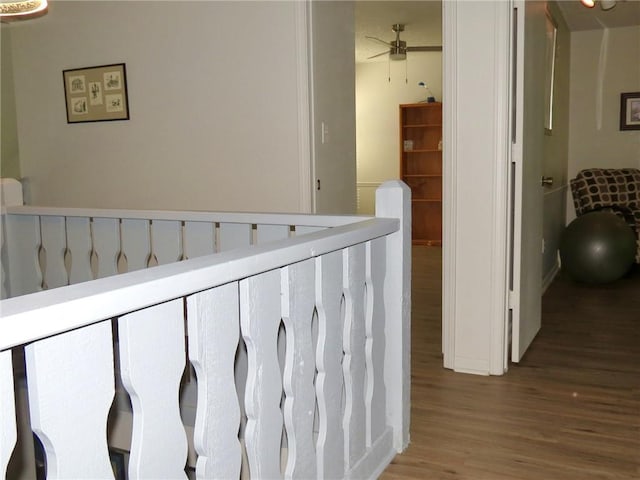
<point>96,94</point>
<point>630,111</point>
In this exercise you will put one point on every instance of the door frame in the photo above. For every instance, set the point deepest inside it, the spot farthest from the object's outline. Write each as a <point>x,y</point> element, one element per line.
<point>476,49</point>
<point>475,179</point>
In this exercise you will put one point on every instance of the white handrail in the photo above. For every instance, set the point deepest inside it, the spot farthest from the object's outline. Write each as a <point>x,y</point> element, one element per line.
<point>351,279</point>
<point>39,315</point>
<point>194,216</point>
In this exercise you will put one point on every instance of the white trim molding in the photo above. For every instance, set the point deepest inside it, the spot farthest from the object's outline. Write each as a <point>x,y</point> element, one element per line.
<point>304,87</point>
<point>476,157</point>
<point>450,193</point>
<point>550,277</point>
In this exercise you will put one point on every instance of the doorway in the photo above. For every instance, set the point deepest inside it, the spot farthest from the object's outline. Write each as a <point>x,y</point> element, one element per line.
<point>383,84</point>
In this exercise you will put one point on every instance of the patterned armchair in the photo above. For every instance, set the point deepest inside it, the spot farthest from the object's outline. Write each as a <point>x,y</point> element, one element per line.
<point>616,190</point>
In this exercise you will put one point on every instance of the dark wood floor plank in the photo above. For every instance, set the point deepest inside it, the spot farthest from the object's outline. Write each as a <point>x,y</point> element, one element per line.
<point>570,410</point>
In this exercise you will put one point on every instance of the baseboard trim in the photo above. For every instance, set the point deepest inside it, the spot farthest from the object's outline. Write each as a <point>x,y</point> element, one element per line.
<point>550,276</point>
<point>376,459</point>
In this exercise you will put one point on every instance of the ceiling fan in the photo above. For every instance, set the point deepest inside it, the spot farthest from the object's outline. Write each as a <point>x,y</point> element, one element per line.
<point>398,48</point>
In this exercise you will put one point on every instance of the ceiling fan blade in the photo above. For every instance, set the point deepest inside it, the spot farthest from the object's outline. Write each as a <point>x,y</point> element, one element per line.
<point>378,40</point>
<point>424,48</point>
<point>378,55</point>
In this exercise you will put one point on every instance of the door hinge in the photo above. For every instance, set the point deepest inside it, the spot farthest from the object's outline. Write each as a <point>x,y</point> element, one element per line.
<point>516,152</point>
<point>512,299</point>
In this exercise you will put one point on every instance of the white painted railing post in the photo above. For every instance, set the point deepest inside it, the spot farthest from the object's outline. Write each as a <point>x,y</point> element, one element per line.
<point>393,200</point>
<point>10,194</point>
<point>8,432</point>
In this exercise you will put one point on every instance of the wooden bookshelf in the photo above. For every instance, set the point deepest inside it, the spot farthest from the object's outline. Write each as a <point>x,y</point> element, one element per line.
<point>421,168</point>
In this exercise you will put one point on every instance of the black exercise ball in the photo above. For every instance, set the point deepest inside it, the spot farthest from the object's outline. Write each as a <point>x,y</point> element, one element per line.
<point>598,247</point>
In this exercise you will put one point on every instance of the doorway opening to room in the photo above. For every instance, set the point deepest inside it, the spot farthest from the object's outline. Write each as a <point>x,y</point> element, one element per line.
<point>394,142</point>
<point>387,78</point>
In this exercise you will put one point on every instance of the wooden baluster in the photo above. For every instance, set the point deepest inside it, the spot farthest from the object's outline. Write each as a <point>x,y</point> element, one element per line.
<point>298,302</point>
<point>268,233</point>
<point>8,432</point>
<point>79,246</point>
<point>329,380</point>
<point>214,333</point>
<point>23,234</point>
<point>199,239</point>
<point>71,387</point>
<point>152,360</point>
<point>135,243</point>
<point>55,243</point>
<point>234,235</point>
<point>260,320</point>
<point>166,241</point>
<point>393,200</point>
<point>354,353</point>
<point>375,340</point>
<point>106,245</point>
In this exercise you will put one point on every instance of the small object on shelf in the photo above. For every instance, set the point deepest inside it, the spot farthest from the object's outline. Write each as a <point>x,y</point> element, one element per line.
<point>431,97</point>
<point>408,145</point>
<point>440,145</point>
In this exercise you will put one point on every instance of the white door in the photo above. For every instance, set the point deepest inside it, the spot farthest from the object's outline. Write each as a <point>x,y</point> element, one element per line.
<point>333,107</point>
<point>526,193</point>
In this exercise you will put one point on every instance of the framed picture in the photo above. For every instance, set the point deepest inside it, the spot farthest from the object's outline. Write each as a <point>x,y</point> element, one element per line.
<point>630,111</point>
<point>96,94</point>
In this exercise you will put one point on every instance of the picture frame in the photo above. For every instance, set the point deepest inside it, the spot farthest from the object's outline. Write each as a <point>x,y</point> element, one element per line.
<point>96,94</point>
<point>630,111</point>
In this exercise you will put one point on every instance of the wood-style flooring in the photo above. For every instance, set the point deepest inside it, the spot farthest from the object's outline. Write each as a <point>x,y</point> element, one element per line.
<point>570,410</point>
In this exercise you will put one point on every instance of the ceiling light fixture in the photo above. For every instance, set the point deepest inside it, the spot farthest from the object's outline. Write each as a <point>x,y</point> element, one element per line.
<point>22,8</point>
<point>607,4</point>
<point>604,4</point>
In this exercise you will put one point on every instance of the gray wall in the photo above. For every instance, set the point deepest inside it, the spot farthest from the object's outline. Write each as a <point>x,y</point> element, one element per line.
<point>333,77</point>
<point>604,64</point>
<point>556,151</point>
<point>213,96</point>
<point>9,162</point>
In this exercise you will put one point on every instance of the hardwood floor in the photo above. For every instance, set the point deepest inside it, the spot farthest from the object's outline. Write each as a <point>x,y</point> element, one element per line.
<point>569,410</point>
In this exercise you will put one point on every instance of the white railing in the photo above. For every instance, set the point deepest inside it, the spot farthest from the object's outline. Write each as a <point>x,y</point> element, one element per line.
<point>55,247</point>
<point>334,403</point>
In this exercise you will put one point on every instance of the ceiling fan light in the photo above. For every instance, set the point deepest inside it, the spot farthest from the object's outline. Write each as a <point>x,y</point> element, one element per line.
<point>21,8</point>
<point>398,50</point>
<point>607,4</point>
<point>588,3</point>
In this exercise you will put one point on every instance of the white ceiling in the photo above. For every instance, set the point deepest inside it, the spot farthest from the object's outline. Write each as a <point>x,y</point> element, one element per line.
<point>423,21</point>
<point>624,14</point>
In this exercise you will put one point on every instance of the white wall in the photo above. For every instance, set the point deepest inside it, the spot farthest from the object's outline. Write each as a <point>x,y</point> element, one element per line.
<point>9,164</point>
<point>604,64</point>
<point>334,106</point>
<point>377,117</point>
<point>555,146</point>
<point>212,95</point>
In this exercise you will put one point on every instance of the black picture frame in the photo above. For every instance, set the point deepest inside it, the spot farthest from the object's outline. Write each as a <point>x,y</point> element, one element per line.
<point>630,111</point>
<point>96,94</point>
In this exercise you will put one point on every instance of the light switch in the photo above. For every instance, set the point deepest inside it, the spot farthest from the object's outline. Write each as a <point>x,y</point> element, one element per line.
<point>325,133</point>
